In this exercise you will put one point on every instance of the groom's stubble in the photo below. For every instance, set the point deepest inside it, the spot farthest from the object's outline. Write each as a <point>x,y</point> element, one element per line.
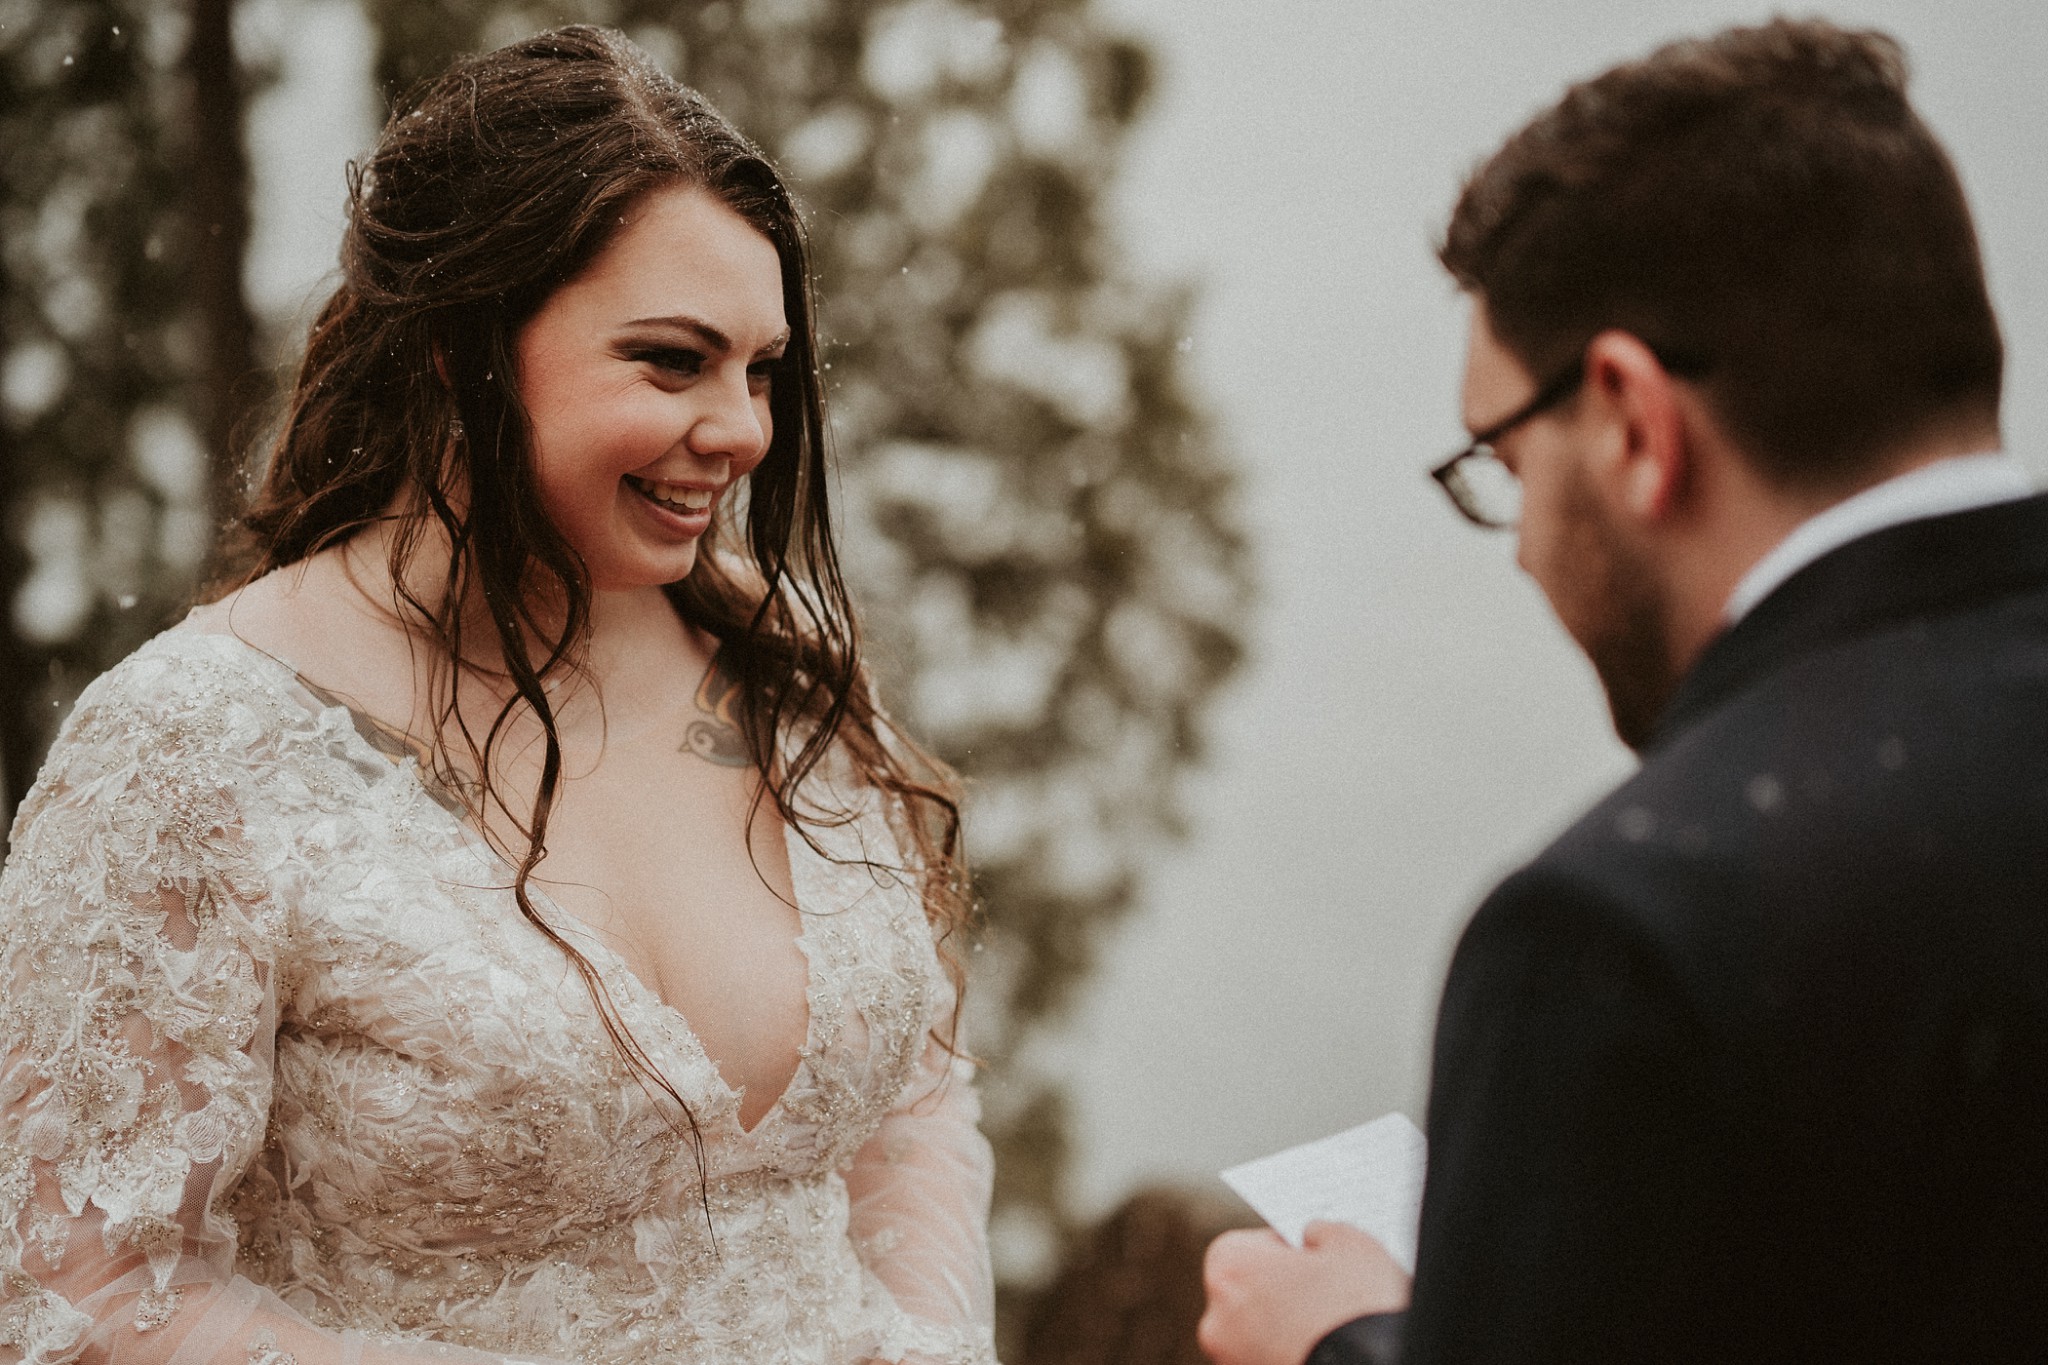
<point>1617,613</point>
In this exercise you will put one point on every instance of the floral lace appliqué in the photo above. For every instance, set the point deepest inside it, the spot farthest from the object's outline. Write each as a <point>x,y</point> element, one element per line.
<point>278,1051</point>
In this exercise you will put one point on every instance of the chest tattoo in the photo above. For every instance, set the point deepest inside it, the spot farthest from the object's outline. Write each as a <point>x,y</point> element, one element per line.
<point>715,736</point>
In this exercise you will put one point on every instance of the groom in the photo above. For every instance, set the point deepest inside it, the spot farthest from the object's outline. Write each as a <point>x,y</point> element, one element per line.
<point>1752,1064</point>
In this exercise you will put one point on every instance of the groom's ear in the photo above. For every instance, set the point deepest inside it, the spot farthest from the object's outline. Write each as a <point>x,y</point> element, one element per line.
<point>1643,465</point>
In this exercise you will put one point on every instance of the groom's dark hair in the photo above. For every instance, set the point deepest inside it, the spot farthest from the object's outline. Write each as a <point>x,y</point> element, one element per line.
<point>1765,202</point>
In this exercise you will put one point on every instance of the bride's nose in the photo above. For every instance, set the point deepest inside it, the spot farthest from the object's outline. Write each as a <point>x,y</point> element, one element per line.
<point>733,421</point>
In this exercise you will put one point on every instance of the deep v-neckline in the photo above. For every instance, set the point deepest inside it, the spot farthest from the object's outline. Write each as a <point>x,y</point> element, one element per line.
<point>614,972</point>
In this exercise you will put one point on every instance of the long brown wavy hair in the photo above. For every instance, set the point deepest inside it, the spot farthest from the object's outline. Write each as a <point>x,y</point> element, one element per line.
<point>491,186</point>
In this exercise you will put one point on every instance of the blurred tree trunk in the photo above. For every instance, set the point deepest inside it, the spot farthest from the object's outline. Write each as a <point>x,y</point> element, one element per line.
<point>219,210</point>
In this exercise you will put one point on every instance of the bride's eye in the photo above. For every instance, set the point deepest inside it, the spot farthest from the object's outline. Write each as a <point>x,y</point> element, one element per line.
<point>675,360</point>
<point>761,374</point>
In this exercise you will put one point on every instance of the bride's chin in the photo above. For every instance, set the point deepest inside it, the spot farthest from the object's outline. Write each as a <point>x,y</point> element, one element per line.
<point>646,573</point>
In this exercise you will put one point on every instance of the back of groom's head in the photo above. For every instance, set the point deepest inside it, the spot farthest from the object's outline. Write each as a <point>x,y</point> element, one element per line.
<point>1766,203</point>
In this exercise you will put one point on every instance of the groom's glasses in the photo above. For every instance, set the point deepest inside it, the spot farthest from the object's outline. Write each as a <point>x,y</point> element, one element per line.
<point>1482,488</point>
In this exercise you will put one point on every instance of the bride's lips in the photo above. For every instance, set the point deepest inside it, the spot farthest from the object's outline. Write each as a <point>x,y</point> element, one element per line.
<point>685,507</point>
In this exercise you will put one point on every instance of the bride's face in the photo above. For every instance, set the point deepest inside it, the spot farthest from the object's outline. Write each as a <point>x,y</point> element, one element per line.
<point>646,378</point>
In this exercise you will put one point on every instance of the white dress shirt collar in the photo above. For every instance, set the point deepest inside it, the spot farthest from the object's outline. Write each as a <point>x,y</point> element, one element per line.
<point>1956,484</point>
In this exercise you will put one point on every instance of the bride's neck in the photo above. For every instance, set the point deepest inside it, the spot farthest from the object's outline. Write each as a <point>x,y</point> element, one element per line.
<point>614,619</point>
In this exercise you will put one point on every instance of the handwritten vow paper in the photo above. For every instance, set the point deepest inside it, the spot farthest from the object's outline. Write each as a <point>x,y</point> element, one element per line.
<point>1369,1176</point>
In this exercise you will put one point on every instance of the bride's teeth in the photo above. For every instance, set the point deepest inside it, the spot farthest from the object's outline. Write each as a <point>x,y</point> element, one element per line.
<point>680,495</point>
<point>696,499</point>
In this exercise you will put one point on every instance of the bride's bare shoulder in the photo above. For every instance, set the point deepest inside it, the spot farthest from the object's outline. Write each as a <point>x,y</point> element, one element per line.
<point>270,610</point>
<point>314,617</point>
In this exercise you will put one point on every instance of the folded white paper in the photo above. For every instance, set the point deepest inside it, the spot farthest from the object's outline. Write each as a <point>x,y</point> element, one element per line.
<point>1369,1176</point>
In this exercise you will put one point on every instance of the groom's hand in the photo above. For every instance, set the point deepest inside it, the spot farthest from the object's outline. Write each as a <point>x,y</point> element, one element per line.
<point>1269,1304</point>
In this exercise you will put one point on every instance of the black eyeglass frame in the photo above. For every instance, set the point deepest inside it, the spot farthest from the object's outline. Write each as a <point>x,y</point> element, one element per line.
<point>1562,385</point>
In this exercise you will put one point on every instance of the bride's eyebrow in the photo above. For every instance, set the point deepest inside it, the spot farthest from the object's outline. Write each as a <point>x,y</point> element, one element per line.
<point>707,335</point>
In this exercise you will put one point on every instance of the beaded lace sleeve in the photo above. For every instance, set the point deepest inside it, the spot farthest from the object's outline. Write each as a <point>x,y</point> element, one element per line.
<point>920,1192</point>
<point>144,928</point>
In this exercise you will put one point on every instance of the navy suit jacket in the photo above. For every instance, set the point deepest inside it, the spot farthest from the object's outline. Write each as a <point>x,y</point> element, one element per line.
<point>1752,1063</point>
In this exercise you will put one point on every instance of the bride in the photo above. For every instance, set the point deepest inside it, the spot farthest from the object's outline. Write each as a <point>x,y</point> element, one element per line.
<point>503,924</point>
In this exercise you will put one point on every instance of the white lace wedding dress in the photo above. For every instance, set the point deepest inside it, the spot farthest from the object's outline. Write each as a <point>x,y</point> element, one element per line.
<point>285,1076</point>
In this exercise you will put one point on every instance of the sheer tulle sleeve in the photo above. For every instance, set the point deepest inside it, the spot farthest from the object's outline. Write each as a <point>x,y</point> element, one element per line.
<point>920,1191</point>
<point>141,950</point>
